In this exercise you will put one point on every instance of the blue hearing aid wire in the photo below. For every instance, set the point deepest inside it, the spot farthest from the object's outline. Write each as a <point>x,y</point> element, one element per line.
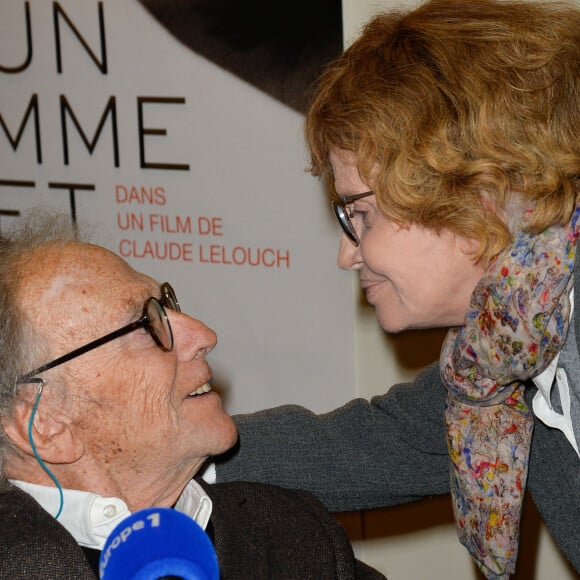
<point>42,464</point>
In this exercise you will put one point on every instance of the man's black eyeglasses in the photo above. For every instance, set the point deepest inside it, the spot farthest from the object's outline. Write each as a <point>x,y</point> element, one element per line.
<point>343,215</point>
<point>154,319</point>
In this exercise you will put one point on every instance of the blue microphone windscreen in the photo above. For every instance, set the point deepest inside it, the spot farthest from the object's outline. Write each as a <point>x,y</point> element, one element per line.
<point>156,543</point>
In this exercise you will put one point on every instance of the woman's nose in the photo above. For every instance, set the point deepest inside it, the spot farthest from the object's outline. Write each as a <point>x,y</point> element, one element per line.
<point>349,256</point>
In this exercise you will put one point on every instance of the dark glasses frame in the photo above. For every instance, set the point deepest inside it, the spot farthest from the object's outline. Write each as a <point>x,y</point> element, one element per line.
<point>343,216</point>
<point>154,319</point>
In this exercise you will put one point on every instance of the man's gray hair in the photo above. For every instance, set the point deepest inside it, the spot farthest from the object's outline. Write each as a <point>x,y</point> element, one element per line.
<point>21,346</point>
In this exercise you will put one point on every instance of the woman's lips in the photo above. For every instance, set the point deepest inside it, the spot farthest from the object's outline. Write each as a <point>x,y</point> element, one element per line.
<point>371,288</point>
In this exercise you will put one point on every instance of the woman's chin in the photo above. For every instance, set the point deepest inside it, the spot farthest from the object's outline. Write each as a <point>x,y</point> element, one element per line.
<point>390,321</point>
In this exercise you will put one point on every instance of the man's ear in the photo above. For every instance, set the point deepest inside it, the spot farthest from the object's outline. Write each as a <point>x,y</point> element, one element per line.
<point>55,437</point>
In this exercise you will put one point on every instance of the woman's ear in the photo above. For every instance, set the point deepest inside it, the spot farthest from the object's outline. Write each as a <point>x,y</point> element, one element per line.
<point>55,437</point>
<point>470,246</point>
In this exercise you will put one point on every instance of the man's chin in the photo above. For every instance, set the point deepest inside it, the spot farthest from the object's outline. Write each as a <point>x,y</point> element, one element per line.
<point>228,437</point>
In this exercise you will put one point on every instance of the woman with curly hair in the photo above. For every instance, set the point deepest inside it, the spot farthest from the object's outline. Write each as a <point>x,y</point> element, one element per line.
<point>448,136</point>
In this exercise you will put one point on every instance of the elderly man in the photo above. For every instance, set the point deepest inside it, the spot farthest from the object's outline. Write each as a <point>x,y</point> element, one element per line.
<point>106,408</point>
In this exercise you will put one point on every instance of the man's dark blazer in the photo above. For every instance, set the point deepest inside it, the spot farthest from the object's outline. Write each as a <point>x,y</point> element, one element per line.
<point>260,532</point>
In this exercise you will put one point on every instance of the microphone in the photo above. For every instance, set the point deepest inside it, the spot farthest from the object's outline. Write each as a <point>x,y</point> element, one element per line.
<point>157,543</point>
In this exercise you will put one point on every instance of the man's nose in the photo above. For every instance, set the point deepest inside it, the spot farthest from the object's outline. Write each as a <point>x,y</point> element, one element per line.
<point>192,338</point>
<point>349,256</point>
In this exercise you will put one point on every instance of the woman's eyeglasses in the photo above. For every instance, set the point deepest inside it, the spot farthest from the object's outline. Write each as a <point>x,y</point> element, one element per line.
<point>343,215</point>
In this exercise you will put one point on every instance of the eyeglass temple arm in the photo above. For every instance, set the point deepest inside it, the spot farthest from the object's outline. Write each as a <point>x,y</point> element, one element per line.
<point>350,198</point>
<point>83,349</point>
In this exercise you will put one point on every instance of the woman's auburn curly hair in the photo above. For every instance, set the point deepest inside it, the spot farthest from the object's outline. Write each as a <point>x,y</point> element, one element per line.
<point>456,105</point>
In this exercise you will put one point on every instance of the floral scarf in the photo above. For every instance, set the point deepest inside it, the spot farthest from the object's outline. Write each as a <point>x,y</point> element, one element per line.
<point>516,323</point>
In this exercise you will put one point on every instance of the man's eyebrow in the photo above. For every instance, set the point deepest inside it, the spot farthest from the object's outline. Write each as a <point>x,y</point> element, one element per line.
<point>136,302</point>
<point>134,307</point>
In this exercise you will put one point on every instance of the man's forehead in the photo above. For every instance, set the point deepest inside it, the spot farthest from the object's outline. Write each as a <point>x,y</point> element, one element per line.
<point>59,284</point>
<point>63,255</point>
<point>83,272</point>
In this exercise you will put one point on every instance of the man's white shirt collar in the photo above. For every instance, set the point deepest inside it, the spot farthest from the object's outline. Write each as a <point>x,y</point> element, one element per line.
<point>90,518</point>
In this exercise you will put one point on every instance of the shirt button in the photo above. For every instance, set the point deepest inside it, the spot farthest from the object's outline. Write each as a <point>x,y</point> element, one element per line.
<point>110,511</point>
